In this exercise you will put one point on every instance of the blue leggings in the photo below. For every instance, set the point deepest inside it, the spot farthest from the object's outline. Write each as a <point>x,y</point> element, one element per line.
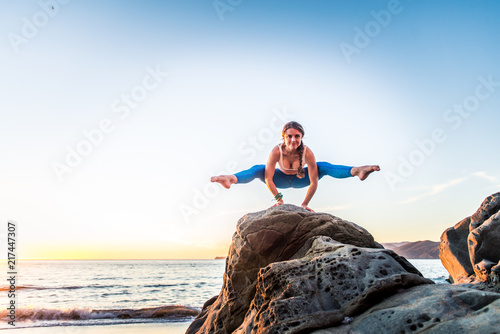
<point>282,180</point>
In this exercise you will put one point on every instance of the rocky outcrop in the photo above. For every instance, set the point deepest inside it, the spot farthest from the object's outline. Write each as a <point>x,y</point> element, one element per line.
<point>440,308</point>
<point>292,271</point>
<point>320,288</point>
<point>470,250</point>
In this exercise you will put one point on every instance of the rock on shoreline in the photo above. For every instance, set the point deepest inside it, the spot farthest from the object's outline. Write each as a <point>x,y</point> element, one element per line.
<point>470,250</point>
<point>292,271</point>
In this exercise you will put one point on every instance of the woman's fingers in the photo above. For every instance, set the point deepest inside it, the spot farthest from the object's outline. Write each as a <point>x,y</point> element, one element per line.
<point>307,208</point>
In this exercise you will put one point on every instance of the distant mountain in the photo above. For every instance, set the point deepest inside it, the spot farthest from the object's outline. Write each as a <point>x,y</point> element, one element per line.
<point>394,245</point>
<point>415,250</point>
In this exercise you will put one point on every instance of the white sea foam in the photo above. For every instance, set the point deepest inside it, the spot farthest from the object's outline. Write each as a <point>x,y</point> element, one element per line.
<point>172,312</point>
<point>100,292</point>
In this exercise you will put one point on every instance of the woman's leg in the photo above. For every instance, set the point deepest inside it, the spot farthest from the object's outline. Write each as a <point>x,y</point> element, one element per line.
<point>255,172</point>
<point>341,172</point>
<point>336,171</point>
<point>280,179</point>
<point>324,168</point>
<point>245,176</point>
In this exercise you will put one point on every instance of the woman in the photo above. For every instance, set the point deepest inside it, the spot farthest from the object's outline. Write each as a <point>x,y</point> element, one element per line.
<point>291,156</point>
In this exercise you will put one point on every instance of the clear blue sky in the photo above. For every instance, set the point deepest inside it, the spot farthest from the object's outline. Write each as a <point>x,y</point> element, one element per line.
<point>114,115</point>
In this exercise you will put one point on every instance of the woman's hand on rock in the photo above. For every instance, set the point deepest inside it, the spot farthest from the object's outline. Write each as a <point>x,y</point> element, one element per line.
<point>307,208</point>
<point>280,202</point>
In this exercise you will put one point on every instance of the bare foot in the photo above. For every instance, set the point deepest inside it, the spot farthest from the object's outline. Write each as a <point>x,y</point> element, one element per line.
<point>363,171</point>
<point>225,180</point>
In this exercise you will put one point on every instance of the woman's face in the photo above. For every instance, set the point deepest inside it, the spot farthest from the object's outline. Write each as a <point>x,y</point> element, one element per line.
<point>292,138</point>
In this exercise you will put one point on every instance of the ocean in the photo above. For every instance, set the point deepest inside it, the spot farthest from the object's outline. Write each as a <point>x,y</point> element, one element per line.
<point>93,292</point>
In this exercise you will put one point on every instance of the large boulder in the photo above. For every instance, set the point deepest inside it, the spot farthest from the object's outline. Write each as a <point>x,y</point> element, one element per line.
<point>287,250</point>
<point>293,271</point>
<point>469,250</point>
<point>454,252</point>
<point>262,238</point>
<point>330,282</point>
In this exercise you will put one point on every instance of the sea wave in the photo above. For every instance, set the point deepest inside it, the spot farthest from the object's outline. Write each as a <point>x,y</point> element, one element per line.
<point>72,287</point>
<point>29,287</point>
<point>171,312</point>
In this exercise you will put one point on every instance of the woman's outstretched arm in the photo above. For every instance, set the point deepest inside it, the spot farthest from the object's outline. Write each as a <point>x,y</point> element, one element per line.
<point>313,177</point>
<point>270,169</point>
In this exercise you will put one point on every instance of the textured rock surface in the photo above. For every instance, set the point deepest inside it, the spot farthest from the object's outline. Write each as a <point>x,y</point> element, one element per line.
<point>292,271</point>
<point>454,251</point>
<point>283,242</point>
<point>320,289</point>
<point>438,308</point>
<point>470,250</point>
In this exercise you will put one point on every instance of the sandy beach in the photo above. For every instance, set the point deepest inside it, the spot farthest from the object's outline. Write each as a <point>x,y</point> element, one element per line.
<point>164,328</point>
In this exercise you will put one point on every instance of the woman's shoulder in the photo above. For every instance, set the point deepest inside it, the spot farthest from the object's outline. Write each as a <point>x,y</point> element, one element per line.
<point>275,151</point>
<point>308,153</point>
